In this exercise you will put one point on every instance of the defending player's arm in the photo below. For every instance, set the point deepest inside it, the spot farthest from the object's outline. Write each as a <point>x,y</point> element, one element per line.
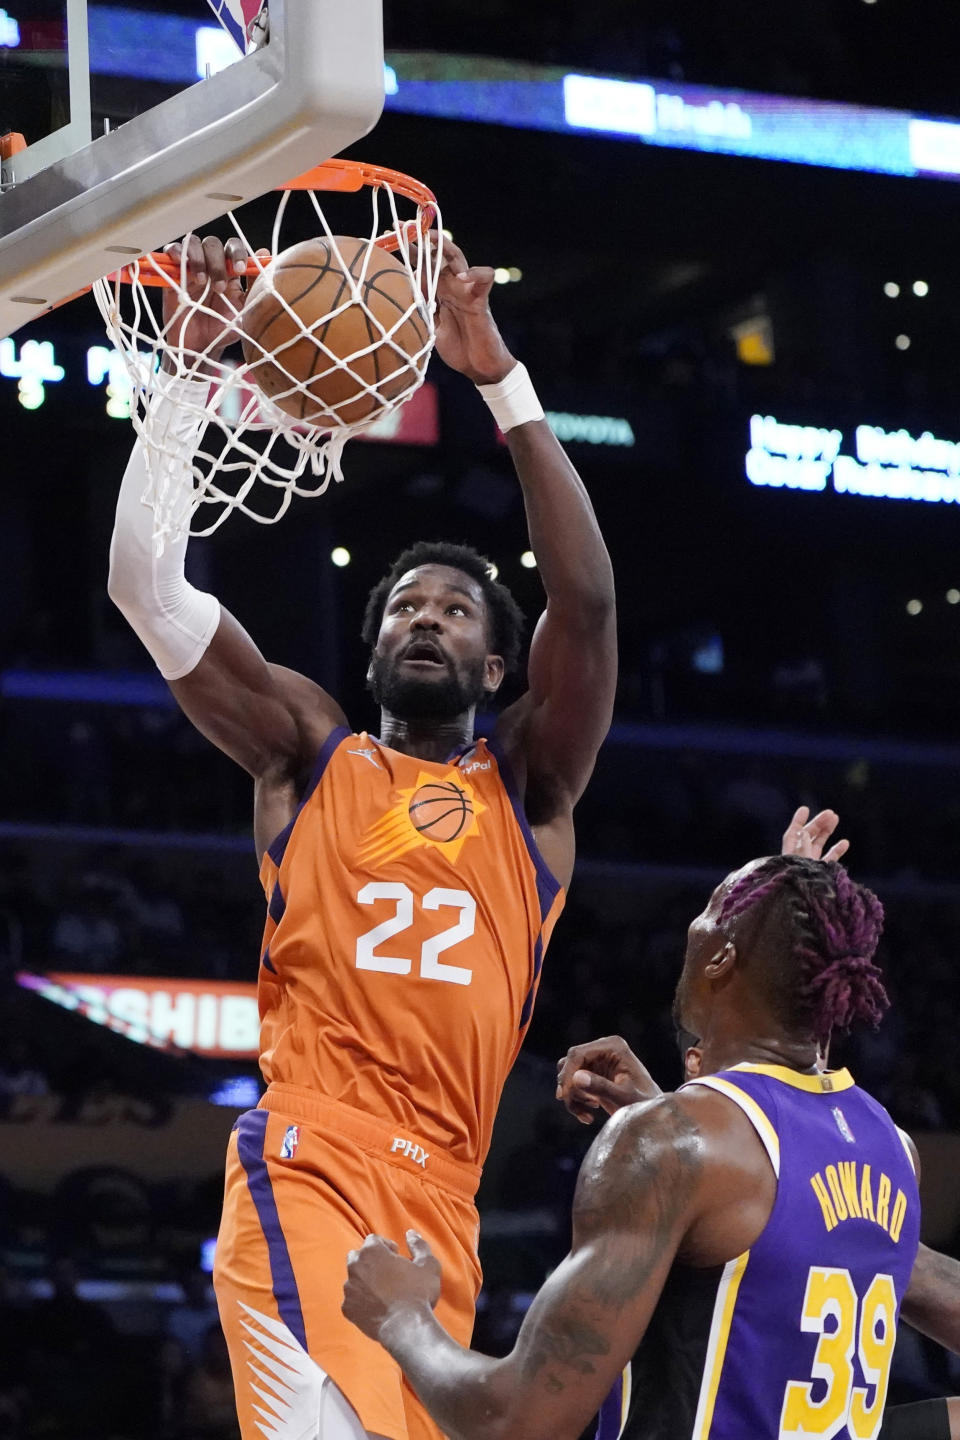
<point>270,720</point>
<point>932,1302</point>
<point>635,1198</point>
<point>558,727</point>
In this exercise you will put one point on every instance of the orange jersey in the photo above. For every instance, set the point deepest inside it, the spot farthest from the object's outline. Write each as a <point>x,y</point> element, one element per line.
<point>409,910</point>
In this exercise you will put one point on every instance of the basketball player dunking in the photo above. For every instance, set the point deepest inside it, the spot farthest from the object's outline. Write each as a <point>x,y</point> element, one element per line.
<point>741,1248</point>
<point>412,880</point>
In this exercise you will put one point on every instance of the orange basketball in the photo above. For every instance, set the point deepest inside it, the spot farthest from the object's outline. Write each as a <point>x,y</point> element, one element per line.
<point>441,810</point>
<point>284,350</point>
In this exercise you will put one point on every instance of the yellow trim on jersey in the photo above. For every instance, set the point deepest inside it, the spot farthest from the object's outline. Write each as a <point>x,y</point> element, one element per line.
<point>625,1397</point>
<point>717,1348</point>
<point>825,1083</point>
<point>765,1130</point>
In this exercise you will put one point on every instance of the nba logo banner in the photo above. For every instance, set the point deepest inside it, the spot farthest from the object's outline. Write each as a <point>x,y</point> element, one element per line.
<point>236,17</point>
<point>290,1142</point>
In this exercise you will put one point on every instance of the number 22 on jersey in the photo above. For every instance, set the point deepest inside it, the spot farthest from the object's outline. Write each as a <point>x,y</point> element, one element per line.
<point>830,1310</point>
<point>431,966</point>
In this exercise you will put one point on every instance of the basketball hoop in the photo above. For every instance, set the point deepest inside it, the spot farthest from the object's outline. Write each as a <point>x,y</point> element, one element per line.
<point>244,436</point>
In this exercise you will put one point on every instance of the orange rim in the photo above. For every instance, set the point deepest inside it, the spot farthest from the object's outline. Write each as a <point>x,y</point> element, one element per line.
<point>344,176</point>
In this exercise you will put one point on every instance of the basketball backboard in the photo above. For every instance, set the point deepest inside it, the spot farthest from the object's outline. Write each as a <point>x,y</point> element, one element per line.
<point>75,204</point>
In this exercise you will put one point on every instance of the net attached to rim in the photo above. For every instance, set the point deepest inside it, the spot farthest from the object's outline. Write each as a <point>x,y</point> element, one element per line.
<point>253,454</point>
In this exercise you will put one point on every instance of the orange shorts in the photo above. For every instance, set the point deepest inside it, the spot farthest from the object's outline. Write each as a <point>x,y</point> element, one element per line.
<point>307,1180</point>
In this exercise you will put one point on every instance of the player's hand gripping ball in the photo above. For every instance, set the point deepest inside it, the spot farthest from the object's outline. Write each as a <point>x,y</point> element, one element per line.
<point>333,330</point>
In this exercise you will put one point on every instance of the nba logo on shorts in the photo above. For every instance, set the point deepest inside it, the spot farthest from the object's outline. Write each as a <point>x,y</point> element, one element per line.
<point>290,1142</point>
<point>842,1125</point>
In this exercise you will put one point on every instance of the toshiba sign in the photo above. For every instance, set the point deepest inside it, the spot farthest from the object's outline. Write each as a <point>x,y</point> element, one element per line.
<point>214,1017</point>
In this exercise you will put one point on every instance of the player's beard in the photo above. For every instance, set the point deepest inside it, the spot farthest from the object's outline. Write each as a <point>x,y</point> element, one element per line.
<point>411,698</point>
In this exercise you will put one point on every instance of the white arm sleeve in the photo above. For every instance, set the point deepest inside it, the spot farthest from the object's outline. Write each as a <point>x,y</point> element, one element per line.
<point>175,621</point>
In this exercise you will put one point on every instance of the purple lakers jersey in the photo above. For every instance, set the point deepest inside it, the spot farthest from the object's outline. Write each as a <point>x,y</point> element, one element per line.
<point>794,1338</point>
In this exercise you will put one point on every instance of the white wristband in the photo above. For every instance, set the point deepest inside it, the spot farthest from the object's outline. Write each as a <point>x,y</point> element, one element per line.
<point>513,401</point>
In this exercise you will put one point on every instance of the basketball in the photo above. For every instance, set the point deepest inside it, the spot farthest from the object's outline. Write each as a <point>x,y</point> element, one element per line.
<point>440,810</point>
<point>299,321</point>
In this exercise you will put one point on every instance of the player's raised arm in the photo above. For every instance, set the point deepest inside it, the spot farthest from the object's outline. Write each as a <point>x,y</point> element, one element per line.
<point>271,721</point>
<point>558,727</point>
<point>639,1189</point>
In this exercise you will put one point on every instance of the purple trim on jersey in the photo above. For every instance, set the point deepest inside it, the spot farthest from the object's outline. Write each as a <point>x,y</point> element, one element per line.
<point>527,1010</point>
<point>610,1417</point>
<point>279,846</point>
<point>267,963</point>
<point>277,904</point>
<point>251,1131</point>
<point>548,886</point>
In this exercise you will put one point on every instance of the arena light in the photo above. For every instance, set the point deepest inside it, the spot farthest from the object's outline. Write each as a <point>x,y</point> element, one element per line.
<point>215,51</point>
<point>891,289</point>
<point>620,107</point>
<point>528,560</point>
<point>935,146</point>
<point>953,597</point>
<point>914,607</point>
<point>921,288</point>
<point>239,1092</point>
<point>9,32</point>
<point>903,342</point>
<point>35,367</point>
<point>105,365</point>
<point>754,340</point>
<point>340,556</point>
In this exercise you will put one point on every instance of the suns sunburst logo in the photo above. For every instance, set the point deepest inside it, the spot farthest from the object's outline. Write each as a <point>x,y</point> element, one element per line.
<point>443,813</point>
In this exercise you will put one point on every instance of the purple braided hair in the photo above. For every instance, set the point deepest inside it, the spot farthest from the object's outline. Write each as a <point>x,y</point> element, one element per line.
<point>834,924</point>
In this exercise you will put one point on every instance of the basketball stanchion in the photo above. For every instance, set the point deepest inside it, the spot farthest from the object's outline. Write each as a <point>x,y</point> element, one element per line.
<point>335,333</point>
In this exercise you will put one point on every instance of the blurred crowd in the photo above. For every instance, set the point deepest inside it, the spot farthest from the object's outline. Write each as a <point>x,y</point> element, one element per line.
<point>71,1369</point>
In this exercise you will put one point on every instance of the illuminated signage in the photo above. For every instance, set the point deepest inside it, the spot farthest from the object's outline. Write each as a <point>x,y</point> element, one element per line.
<point>9,32</point>
<point>212,1017</point>
<point>34,368</point>
<point>37,364</point>
<point>632,107</point>
<point>152,45</point>
<point>885,464</point>
<point>590,429</point>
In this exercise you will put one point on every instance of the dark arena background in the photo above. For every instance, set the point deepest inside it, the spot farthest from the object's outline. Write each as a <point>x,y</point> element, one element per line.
<point>736,286</point>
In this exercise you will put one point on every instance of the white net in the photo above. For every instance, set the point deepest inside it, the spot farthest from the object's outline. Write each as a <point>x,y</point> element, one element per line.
<point>256,450</point>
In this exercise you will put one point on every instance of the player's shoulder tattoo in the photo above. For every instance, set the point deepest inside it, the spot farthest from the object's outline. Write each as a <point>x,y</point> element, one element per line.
<point>634,1189</point>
